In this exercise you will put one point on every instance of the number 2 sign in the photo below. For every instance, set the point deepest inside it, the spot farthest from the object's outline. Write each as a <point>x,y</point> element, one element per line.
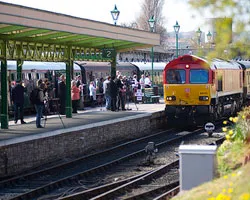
<point>108,53</point>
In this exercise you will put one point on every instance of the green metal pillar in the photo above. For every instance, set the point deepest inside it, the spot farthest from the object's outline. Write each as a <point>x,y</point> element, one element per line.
<point>113,66</point>
<point>4,90</point>
<point>19,69</point>
<point>177,46</point>
<point>152,57</point>
<point>19,63</point>
<point>69,66</point>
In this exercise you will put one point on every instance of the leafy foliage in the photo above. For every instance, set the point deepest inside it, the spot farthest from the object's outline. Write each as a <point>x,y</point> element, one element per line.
<point>238,11</point>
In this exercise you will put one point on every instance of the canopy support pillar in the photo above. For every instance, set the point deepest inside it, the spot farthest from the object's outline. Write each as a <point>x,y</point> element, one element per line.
<point>113,66</point>
<point>19,69</point>
<point>4,89</point>
<point>69,66</point>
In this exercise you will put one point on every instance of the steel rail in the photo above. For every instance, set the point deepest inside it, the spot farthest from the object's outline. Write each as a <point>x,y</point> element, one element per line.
<point>172,188</point>
<point>55,184</point>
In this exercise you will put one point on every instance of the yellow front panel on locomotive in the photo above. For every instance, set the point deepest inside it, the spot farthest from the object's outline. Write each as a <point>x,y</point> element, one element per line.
<point>187,94</point>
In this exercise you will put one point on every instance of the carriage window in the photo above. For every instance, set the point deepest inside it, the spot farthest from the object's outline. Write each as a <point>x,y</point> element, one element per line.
<point>175,76</point>
<point>29,76</point>
<point>37,76</point>
<point>198,76</point>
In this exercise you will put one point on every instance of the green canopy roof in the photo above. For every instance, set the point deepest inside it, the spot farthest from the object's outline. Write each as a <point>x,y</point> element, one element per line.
<point>33,34</point>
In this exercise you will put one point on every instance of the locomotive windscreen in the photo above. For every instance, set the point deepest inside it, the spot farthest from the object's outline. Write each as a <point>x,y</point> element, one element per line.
<point>176,76</point>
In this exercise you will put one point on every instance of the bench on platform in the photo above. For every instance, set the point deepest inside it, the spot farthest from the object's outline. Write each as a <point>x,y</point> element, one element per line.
<point>149,96</point>
<point>155,99</point>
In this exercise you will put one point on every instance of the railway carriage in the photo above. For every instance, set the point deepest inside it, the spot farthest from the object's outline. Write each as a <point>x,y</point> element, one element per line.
<point>158,67</point>
<point>93,70</point>
<point>195,88</point>
<point>89,71</point>
<point>31,73</point>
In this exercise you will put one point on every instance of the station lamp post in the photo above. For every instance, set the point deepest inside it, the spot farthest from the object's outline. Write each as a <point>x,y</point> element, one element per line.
<point>199,32</point>
<point>209,39</point>
<point>176,29</point>
<point>115,14</point>
<point>151,22</point>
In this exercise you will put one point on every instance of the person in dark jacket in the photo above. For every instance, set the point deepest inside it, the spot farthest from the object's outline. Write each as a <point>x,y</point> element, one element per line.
<point>39,104</point>
<point>17,95</point>
<point>120,99</point>
<point>113,93</point>
<point>62,95</point>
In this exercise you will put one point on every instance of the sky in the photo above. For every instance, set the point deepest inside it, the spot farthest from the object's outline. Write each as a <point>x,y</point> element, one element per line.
<point>99,10</point>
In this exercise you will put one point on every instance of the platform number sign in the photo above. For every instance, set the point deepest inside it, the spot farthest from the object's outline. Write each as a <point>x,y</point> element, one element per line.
<point>108,53</point>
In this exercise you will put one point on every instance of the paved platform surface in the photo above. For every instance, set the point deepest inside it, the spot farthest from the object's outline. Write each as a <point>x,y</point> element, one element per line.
<point>84,117</point>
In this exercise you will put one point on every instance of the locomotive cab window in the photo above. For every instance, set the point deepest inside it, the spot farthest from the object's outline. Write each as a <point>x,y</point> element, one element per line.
<point>198,76</point>
<point>175,76</point>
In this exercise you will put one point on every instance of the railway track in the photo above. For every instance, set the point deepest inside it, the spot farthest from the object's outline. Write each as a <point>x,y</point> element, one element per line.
<point>119,189</point>
<point>160,183</point>
<point>39,184</point>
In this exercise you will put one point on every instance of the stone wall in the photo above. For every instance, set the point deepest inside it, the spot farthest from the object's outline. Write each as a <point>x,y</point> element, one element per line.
<point>15,157</point>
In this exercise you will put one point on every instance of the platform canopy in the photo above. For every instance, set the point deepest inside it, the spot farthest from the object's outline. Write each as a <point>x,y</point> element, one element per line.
<point>32,34</point>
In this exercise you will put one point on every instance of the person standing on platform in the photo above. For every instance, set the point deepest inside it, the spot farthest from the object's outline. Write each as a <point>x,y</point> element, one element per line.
<point>113,93</point>
<point>92,93</point>
<point>135,83</point>
<point>17,95</point>
<point>124,91</point>
<point>80,85</point>
<point>100,86</point>
<point>62,95</point>
<point>75,96</point>
<point>78,81</point>
<point>39,104</point>
<point>147,82</point>
<point>120,99</point>
<point>142,82</point>
<point>106,92</point>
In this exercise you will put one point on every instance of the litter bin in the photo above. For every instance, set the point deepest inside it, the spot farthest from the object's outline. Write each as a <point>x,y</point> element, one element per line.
<point>155,90</point>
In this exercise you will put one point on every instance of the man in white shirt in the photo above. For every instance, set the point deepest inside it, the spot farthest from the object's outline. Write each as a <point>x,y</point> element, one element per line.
<point>106,92</point>
<point>142,81</point>
<point>147,82</point>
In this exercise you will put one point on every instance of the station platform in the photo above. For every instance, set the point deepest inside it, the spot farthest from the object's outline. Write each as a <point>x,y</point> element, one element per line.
<point>60,122</point>
<point>23,146</point>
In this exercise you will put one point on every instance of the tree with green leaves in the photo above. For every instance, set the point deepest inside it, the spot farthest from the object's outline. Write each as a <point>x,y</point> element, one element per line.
<point>238,11</point>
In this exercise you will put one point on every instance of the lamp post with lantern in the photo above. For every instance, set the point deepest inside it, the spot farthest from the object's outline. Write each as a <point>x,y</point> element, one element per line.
<point>176,29</point>
<point>115,14</point>
<point>151,22</point>
<point>111,51</point>
<point>209,39</point>
<point>199,32</point>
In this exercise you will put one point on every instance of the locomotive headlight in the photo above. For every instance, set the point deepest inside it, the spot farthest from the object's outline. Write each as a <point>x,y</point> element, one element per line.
<point>203,98</point>
<point>170,98</point>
